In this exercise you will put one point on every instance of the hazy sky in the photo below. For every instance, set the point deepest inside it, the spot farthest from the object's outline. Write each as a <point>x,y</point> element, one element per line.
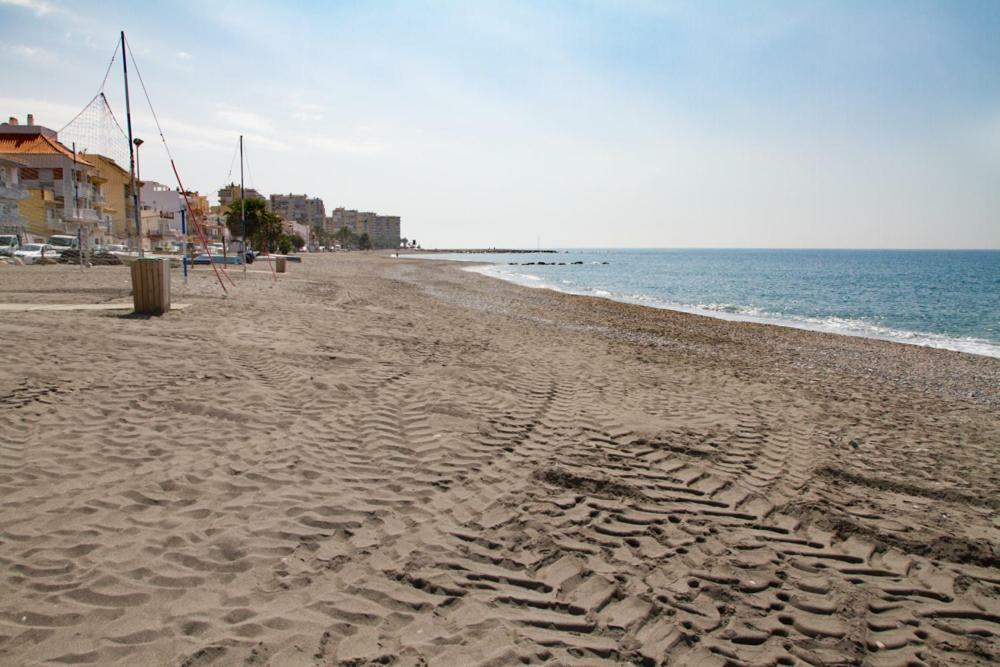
<point>605,123</point>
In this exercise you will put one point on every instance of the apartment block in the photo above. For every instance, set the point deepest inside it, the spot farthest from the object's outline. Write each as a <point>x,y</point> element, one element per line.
<point>301,208</point>
<point>230,193</point>
<point>112,201</point>
<point>383,230</point>
<point>62,197</point>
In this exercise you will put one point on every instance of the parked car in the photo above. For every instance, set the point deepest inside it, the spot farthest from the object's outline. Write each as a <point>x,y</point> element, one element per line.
<point>8,244</point>
<point>32,252</point>
<point>217,259</point>
<point>114,249</point>
<point>60,242</point>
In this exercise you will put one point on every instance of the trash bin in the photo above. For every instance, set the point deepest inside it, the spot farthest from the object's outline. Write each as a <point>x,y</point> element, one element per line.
<point>151,286</point>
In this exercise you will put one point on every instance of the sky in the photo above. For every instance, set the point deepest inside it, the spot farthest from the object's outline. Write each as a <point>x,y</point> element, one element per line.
<point>603,123</point>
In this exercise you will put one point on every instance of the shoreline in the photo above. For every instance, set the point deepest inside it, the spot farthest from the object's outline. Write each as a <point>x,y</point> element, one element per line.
<point>974,346</point>
<point>394,460</point>
<point>972,376</point>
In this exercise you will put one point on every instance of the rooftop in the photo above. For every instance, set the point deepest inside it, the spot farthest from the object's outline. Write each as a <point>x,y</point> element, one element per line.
<point>18,143</point>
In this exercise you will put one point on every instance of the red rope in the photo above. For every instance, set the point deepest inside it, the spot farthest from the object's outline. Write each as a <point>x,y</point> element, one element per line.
<point>201,233</point>
<point>267,253</point>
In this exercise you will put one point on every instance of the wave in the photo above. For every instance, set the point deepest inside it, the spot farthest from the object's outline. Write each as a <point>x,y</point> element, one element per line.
<point>743,313</point>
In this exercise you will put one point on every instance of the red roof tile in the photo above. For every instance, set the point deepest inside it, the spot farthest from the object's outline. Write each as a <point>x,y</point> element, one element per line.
<point>35,144</point>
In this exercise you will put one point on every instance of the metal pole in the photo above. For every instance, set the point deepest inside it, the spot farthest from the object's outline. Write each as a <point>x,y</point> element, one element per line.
<point>131,152</point>
<point>76,208</point>
<point>138,189</point>
<point>243,216</point>
<point>184,245</point>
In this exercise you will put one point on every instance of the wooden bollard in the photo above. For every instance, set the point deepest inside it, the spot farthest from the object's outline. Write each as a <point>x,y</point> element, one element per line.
<point>279,264</point>
<point>151,286</point>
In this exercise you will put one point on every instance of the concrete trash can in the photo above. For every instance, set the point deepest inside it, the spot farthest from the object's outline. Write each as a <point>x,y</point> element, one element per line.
<point>151,286</point>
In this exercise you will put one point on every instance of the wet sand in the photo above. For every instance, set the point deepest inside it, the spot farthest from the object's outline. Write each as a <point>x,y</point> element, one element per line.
<point>394,461</point>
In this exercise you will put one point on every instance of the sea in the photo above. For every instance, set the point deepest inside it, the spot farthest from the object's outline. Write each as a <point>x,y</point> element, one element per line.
<point>935,298</point>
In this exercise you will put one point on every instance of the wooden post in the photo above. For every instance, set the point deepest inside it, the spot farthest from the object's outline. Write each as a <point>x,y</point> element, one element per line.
<point>279,264</point>
<point>151,286</point>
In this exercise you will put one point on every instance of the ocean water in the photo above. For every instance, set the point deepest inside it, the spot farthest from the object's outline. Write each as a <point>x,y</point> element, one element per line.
<point>945,299</point>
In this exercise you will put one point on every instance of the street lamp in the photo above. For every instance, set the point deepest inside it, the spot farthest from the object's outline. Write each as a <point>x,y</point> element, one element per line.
<point>138,192</point>
<point>138,142</point>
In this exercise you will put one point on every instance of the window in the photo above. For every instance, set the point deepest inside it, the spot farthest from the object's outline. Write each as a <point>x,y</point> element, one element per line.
<point>57,174</point>
<point>29,174</point>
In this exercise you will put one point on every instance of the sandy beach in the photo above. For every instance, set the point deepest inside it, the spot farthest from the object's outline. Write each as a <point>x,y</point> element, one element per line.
<point>394,461</point>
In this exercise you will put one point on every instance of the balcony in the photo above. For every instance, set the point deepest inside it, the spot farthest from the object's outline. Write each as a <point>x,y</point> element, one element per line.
<point>12,191</point>
<point>11,219</point>
<point>84,215</point>
<point>80,191</point>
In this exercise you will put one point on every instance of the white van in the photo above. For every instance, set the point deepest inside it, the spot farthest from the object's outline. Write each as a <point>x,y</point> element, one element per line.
<point>9,244</point>
<point>62,243</point>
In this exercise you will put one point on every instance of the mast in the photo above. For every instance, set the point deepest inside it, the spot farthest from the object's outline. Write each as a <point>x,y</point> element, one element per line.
<point>131,152</point>
<point>76,208</point>
<point>243,216</point>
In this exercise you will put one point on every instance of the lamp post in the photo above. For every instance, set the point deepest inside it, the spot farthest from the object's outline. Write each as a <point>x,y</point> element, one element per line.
<point>138,197</point>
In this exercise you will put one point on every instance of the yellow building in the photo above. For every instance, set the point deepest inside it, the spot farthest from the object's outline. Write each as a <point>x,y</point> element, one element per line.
<point>199,204</point>
<point>43,213</point>
<point>114,201</point>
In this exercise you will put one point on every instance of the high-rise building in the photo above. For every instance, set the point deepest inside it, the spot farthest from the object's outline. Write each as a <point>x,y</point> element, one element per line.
<point>382,230</point>
<point>230,193</point>
<point>300,208</point>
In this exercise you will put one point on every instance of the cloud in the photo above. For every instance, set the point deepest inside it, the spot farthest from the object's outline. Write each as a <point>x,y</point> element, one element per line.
<point>244,120</point>
<point>40,8</point>
<point>345,145</point>
<point>308,112</point>
<point>49,114</point>
<point>32,53</point>
<point>184,55</point>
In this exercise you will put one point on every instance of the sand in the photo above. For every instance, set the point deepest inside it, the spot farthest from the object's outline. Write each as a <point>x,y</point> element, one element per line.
<point>393,461</point>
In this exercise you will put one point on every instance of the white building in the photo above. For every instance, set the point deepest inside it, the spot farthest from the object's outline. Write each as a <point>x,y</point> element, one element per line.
<point>11,194</point>
<point>160,197</point>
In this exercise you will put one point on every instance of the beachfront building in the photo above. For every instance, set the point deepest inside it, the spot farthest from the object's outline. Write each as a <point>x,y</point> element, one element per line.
<point>230,193</point>
<point>215,227</point>
<point>160,197</point>
<point>61,196</point>
<point>162,208</point>
<point>383,230</point>
<point>303,209</point>
<point>11,194</point>
<point>341,218</point>
<point>112,201</point>
<point>292,227</point>
<point>199,204</point>
<point>160,229</point>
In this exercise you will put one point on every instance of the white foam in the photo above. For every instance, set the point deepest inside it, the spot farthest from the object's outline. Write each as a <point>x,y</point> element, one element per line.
<point>733,312</point>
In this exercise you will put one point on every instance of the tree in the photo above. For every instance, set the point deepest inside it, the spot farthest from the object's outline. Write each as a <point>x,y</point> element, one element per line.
<point>263,228</point>
<point>321,236</point>
<point>345,237</point>
<point>364,242</point>
<point>284,244</point>
<point>297,241</point>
